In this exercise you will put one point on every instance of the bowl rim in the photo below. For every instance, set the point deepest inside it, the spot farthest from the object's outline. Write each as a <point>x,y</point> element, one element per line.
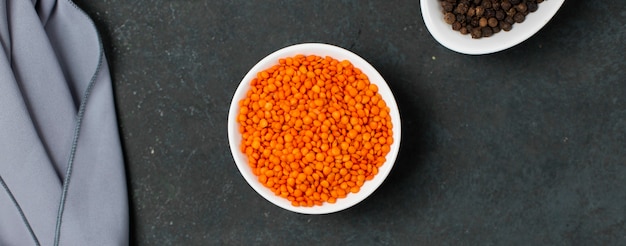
<point>453,40</point>
<point>320,49</point>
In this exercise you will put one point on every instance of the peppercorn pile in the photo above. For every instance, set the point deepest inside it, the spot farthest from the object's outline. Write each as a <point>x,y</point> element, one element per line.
<point>483,18</point>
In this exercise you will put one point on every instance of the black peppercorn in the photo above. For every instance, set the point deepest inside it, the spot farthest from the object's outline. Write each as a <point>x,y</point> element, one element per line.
<point>521,7</point>
<point>500,15</point>
<point>486,4</point>
<point>505,5</point>
<point>471,11</point>
<point>489,13</point>
<point>474,22</point>
<point>456,26</point>
<point>482,22</point>
<point>496,29</point>
<point>519,17</point>
<point>495,5</point>
<point>515,2</point>
<point>461,8</point>
<point>460,18</point>
<point>449,18</point>
<point>532,7</point>
<point>487,32</point>
<point>511,12</point>
<point>509,19</point>
<point>492,22</point>
<point>480,11</point>
<point>476,33</point>
<point>505,26</point>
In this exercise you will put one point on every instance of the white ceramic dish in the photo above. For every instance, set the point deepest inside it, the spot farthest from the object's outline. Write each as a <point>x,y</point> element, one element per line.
<point>454,40</point>
<point>338,53</point>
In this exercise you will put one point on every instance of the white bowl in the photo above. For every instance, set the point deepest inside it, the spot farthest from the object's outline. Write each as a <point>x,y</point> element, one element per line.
<point>340,54</point>
<point>454,40</point>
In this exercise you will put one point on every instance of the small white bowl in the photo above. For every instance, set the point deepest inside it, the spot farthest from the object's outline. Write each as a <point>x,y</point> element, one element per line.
<point>340,54</point>
<point>454,40</point>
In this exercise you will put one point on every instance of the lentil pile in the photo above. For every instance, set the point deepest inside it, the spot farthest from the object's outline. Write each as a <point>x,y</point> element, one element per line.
<point>314,129</point>
<point>483,18</point>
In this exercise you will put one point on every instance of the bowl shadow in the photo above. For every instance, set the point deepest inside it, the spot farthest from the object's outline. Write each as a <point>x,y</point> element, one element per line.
<point>416,143</point>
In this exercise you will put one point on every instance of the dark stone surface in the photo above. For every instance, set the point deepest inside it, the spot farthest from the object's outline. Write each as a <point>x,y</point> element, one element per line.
<point>521,147</point>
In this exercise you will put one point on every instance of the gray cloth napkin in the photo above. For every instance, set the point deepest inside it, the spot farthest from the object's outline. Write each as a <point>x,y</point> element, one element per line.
<point>62,179</point>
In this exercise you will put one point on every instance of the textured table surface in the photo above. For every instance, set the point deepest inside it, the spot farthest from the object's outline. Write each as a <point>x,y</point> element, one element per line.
<point>520,147</point>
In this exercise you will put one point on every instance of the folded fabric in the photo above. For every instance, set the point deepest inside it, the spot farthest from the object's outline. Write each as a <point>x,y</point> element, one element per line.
<point>62,179</point>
